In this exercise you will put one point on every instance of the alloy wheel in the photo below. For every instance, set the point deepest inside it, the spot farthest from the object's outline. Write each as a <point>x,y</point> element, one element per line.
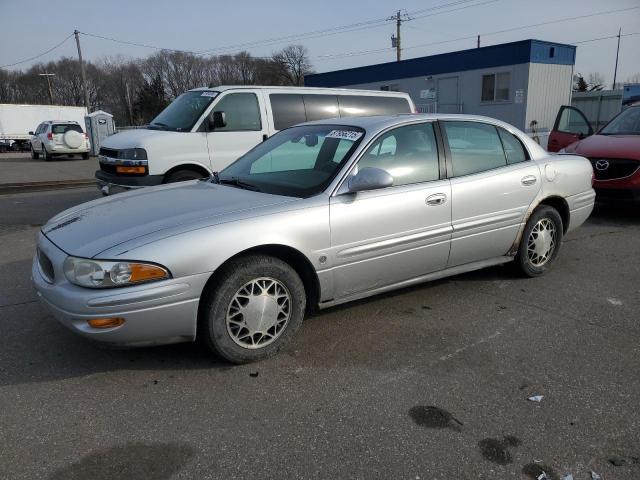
<point>258,313</point>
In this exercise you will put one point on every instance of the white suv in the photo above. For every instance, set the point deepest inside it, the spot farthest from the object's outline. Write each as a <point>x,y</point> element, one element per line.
<point>59,138</point>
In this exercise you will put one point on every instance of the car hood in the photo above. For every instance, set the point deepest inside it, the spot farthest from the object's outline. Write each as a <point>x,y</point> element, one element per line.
<point>156,212</point>
<point>140,138</point>
<point>609,146</point>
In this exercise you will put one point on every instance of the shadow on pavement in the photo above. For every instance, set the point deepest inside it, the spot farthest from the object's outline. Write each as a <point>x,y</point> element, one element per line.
<point>156,461</point>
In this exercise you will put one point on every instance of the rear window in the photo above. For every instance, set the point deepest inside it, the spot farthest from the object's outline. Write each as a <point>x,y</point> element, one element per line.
<point>64,128</point>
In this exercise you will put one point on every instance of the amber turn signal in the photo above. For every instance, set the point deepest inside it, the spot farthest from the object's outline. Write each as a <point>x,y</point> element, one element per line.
<point>105,322</point>
<point>121,169</point>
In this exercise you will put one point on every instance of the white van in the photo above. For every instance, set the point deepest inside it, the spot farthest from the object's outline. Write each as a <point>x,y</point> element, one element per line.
<point>205,129</point>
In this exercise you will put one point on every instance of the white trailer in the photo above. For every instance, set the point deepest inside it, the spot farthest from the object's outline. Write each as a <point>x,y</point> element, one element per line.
<point>16,121</point>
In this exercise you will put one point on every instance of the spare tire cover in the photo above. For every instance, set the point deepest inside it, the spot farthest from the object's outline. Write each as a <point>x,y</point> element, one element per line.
<point>73,139</point>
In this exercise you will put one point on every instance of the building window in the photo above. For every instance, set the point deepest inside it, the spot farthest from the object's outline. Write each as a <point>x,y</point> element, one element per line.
<point>496,86</point>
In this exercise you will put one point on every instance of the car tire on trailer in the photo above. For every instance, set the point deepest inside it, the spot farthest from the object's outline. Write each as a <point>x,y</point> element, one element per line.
<point>183,176</point>
<point>34,155</point>
<point>540,242</point>
<point>251,309</point>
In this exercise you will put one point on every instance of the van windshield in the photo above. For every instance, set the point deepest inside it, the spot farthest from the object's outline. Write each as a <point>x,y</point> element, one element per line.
<point>296,162</point>
<point>182,114</point>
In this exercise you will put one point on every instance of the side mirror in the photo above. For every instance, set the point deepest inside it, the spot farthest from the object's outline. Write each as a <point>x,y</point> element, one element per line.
<point>31,133</point>
<point>370,178</point>
<point>217,120</point>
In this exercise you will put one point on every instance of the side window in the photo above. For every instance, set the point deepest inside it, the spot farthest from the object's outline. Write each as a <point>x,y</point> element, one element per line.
<point>513,149</point>
<point>357,106</point>
<point>319,107</point>
<point>40,129</point>
<point>571,121</point>
<point>495,87</point>
<point>409,154</point>
<point>241,112</point>
<point>475,147</point>
<point>288,110</point>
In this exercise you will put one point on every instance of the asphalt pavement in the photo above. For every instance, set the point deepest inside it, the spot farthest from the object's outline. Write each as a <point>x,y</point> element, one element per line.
<point>430,382</point>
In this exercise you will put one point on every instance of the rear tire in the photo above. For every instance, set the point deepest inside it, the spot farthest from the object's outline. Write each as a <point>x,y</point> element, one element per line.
<point>85,156</point>
<point>252,309</point>
<point>540,243</point>
<point>34,155</point>
<point>45,155</point>
<point>183,176</point>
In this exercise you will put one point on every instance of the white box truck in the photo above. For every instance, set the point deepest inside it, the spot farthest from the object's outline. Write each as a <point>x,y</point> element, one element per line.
<point>16,121</point>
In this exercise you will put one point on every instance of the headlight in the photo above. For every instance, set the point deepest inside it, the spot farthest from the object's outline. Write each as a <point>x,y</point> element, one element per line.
<point>108,274</point>
<point>132,154</point>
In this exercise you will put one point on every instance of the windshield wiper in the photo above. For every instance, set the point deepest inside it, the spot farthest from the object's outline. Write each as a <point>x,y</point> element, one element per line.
<point>236,182</point>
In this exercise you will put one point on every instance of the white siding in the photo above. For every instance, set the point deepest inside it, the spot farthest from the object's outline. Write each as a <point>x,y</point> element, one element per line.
<point>549,89</point>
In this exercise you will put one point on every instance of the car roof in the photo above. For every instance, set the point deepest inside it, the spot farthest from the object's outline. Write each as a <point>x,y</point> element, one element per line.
<point>222,88</point>
<point>379,122</point>
<point>62,121</point>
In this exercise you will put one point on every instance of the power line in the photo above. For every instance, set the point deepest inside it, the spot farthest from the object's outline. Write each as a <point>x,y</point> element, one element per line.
<point>468,37</point>
<point>125,42</point>
<point>373,23</point>
<point>39,55</point>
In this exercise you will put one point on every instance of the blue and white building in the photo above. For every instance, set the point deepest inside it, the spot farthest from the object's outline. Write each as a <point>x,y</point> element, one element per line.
<point>518,82</point>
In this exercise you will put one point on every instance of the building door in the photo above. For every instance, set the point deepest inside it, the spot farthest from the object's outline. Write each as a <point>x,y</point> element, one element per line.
<point>448,99</point>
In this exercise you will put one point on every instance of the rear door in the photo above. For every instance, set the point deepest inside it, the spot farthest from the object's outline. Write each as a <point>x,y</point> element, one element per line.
<point>245,128</point>
<point>571,125</point>
<point>493,182</point>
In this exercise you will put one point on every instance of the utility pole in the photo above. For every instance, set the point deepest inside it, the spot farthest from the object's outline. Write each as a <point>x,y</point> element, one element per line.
<point>615,72</point>
<point>84,78</point>
<point>395,40</point>
<point>48,76</point>
<point>478,41</point>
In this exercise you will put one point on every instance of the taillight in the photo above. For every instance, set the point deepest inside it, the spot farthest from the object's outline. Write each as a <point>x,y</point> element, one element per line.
<point>50,136</point>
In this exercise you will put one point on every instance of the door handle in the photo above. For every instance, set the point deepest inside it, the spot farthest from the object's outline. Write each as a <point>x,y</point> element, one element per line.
<point>529,180</point>
<point>436,199</point>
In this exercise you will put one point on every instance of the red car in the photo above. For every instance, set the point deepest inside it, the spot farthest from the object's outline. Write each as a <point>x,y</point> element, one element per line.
<point>614,151</point>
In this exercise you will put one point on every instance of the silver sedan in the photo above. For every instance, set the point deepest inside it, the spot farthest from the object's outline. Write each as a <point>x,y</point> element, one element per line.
<point>319,214</point>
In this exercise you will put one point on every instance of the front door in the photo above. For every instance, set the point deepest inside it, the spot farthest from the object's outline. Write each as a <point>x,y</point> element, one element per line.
<point>245,127</point>
<point>386,236</point>
<point>493,183</point>
<point>571,125</point>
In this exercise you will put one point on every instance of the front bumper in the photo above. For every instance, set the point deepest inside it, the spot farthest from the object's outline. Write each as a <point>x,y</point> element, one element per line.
<point>109,183</point>
<point>155,313</point>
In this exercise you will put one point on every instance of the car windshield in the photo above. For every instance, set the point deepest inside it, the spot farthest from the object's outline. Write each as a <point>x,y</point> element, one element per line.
<point>626,123</point>
<point>182,114</point>
<point>296,162</point>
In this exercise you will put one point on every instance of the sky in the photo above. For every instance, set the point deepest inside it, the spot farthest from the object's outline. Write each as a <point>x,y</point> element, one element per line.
<point>199,25</point>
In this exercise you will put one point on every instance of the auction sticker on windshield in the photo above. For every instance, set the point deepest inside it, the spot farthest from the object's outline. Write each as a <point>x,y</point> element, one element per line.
<point>209,94</point>
<point>344,134</point>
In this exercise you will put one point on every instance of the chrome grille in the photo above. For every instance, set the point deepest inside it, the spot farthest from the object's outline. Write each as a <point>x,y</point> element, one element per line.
<point>612,168</point>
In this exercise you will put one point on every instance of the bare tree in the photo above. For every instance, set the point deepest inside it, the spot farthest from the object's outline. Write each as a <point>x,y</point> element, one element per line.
<point>292,64</point>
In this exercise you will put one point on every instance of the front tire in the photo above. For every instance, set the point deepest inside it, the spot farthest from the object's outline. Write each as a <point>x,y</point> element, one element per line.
<point>182,176</point>
<point>540,242</point>
<point>252,309</point>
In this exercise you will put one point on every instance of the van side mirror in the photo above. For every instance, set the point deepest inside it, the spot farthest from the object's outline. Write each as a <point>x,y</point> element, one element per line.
<point>370,178</point>
<point>217,120</point>
<point>31,133</point>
